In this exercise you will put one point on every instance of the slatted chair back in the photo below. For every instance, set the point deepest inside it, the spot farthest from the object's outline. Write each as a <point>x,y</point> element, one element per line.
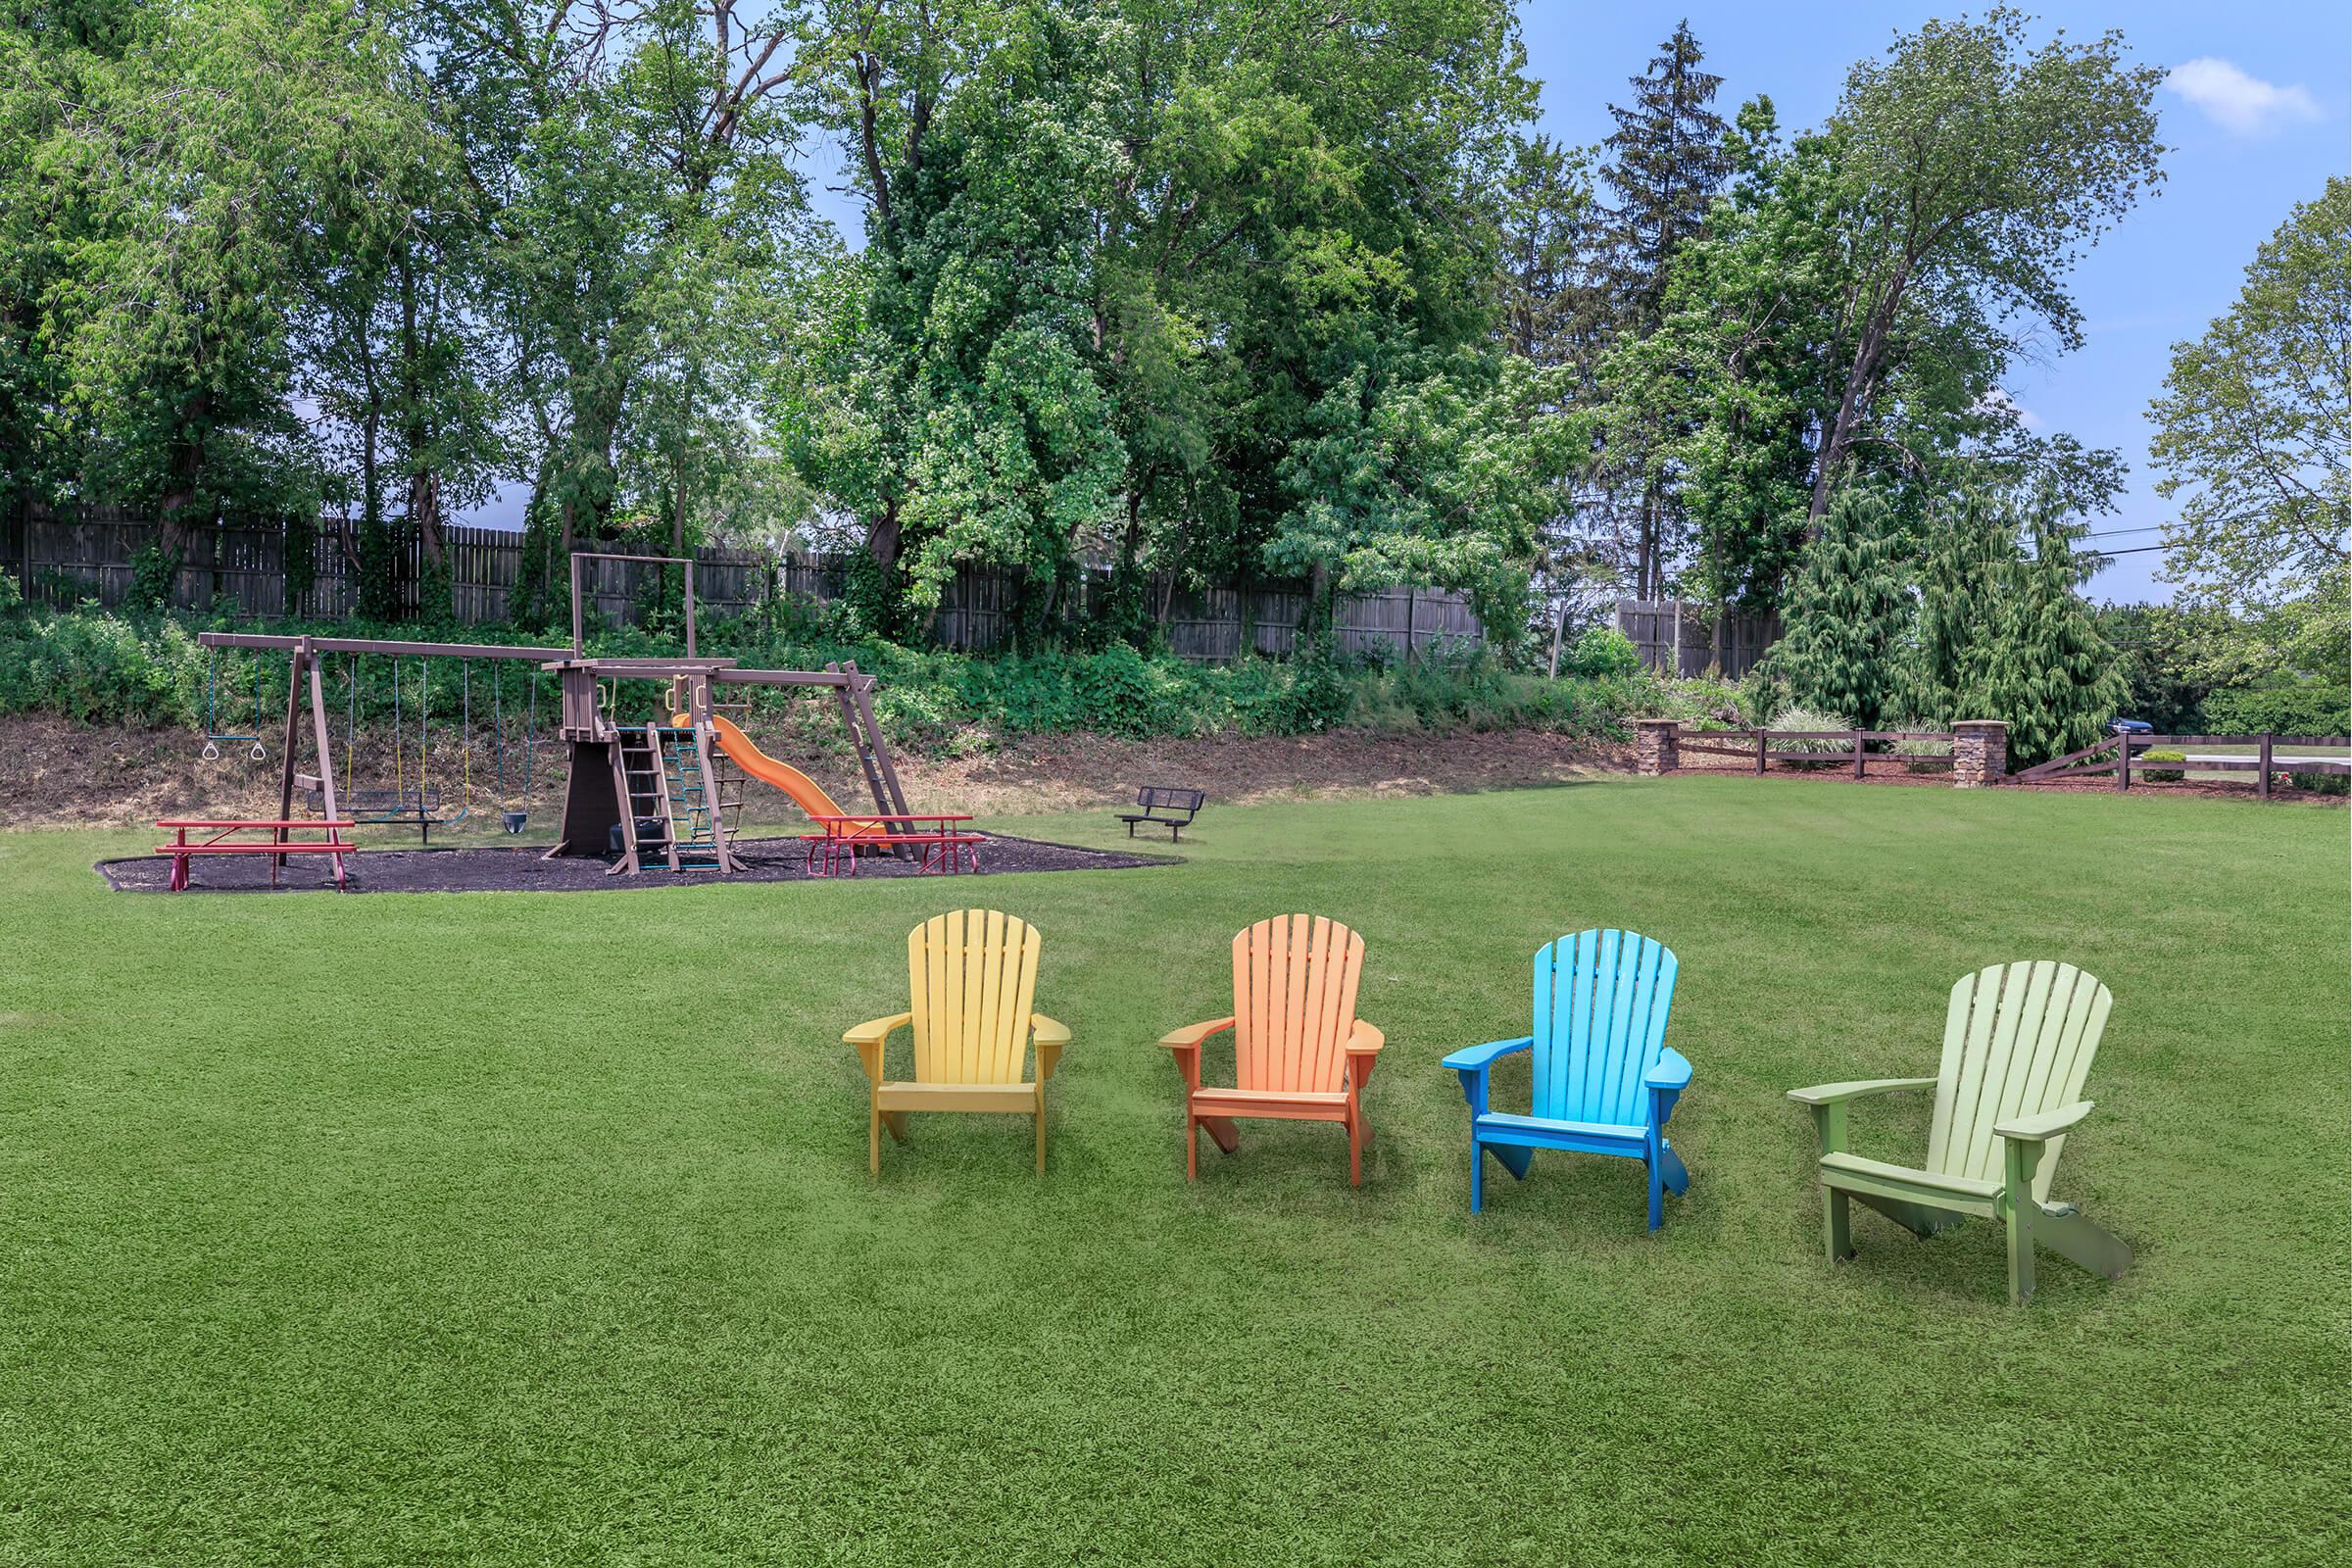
<point>1293,1003</point>
<point>1600,1008</point>
<point>2018,1041</point>
<point>971,975</point>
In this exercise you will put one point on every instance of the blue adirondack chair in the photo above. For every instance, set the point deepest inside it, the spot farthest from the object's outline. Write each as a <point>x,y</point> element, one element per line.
<point>1604,1080</point>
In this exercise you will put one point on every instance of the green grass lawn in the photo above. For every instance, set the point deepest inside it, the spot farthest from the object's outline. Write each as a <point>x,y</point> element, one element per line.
<point>537,1228</point>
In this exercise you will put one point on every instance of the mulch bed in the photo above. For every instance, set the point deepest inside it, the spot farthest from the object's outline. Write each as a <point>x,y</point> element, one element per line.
<point>522,870</point>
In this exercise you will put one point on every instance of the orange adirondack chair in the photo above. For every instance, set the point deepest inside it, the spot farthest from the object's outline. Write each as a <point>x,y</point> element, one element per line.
<point>1299,1051</point>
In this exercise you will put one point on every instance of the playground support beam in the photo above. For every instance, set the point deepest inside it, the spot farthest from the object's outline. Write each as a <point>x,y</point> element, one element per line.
<point>377,645</point>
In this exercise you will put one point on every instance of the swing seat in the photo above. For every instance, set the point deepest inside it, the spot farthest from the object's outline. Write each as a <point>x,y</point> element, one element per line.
<point>382,806</point>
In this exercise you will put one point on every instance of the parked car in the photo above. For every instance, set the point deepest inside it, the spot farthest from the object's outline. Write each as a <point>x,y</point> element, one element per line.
<point>2130,726</point>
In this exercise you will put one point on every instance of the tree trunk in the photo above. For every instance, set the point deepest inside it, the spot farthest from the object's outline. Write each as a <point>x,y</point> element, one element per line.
<point>1858,377</point>
<point>174,525</point>
<point>882,539</point>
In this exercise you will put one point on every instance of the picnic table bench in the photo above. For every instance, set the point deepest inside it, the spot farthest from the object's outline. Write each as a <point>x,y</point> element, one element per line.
<point>222,841</point>
<point>943,848</point>
<point>1165,806</point>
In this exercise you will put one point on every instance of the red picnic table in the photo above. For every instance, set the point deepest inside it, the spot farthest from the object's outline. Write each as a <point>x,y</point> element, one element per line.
<point>181,849</point>
<point>945,848</point>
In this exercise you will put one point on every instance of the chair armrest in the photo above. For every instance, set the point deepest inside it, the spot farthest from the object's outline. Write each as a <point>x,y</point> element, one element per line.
<point>1050,1037</point>
<point>1666,1083</point>
<point>1186,1043</point>
<point>1191,1036</point>
<point>868,1037</point>
<point>1840,1094</point>
<point>1478,1058</point>
<point>2045,1127</point>
<point>1363,1053</point>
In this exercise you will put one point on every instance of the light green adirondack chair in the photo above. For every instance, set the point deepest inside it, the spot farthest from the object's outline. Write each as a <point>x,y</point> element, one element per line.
<point>2017,1046</point>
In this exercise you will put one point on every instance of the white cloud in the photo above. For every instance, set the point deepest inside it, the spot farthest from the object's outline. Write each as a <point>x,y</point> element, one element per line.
<point>2242,105</point>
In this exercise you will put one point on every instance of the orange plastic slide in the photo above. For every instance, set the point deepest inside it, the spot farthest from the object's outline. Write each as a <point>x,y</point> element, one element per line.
<point>806,791</point>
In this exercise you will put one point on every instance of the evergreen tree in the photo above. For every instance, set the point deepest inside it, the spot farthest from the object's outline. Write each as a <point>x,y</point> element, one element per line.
<point>1668,160</point>
<point>1849,614</point>
<point>1668,157</point>
<point>2049,672</point>
<point>1959,592</point>
<point>1553,303</point>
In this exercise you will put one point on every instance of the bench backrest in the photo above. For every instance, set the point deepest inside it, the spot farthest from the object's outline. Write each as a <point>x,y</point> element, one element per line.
<point>1156,797</point>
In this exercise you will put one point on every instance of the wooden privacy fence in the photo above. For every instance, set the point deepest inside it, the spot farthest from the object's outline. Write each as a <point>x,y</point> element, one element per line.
<point>63,560</point>
<point>2120,756</point>
<point>1678,638</point>
<point>1846,749</point>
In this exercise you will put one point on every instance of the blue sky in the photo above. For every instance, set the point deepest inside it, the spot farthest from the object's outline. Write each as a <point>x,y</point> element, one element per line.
<point>2256,126</point>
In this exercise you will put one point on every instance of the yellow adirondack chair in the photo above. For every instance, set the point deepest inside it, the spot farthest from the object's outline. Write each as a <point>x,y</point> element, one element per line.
<point>970,975</point>
<point>2018,1041</point>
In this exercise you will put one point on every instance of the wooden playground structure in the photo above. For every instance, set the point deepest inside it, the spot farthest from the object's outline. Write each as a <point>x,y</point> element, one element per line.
<point>668,789</point>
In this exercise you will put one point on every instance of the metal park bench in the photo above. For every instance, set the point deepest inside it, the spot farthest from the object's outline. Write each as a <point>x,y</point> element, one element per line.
<point>1165,806</point>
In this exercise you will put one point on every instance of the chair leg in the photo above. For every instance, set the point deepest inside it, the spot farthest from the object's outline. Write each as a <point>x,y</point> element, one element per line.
<point>873,1135</point>
<point>1657,1197</point>
<point>1041,1140</point>
<point>1192,1148</point>
<point>1355,1152</point>
<point>1478,1176</point>
<point>1837,1225</point>
<point>2021,1248</point>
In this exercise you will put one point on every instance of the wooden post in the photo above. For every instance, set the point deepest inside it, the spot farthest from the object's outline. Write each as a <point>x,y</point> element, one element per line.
<point>698,714</point>
<point>1408,625</point>
<point>1858,744</point>
<point>879,746</point>
<point>2266,766</point>
<point>1759,749</point>
<point>2122,761</point>
<point>326,760</point>
<point>690,619</point>
<point>296,662</point>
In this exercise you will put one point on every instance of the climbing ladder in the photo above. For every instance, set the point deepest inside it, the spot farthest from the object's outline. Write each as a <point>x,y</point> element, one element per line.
<point>645,785</point>
<point>691,804</point>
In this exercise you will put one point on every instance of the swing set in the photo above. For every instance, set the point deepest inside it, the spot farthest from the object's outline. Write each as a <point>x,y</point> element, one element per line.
<point>422,804</point>
<point>417,794</point>
<point>661,777</point>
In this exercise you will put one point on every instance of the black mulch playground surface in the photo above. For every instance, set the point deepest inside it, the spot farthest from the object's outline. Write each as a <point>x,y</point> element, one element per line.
<point>522,870</point>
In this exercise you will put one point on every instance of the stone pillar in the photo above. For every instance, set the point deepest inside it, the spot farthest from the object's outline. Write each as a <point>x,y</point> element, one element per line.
<point>1655,750</point>
<point>1979,751</point>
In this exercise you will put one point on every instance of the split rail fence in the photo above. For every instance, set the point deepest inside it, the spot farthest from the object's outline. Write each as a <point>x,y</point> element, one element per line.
<point>2120,756</point>
<point>90,555</point>
<point>1763,749</point>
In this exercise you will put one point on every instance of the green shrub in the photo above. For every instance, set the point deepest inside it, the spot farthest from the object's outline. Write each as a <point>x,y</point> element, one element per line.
<point>1809,752</point>
<point>2322,783</point>
<point>1601,652</point>
<point>2160,775</point>
<point>104,667</point>
<point>2312,709</point>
